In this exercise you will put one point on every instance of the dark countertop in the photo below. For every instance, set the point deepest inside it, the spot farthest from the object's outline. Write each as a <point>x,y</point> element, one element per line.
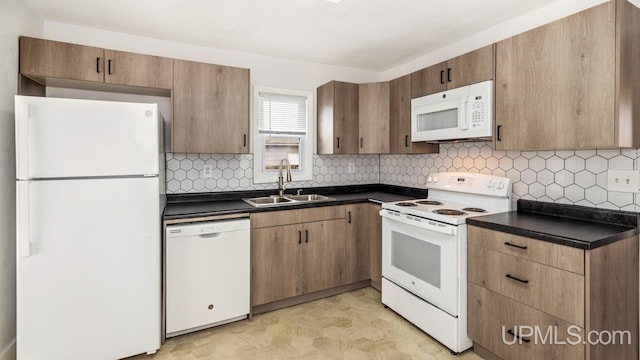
<point>224,203</point>
<point>576,226</point>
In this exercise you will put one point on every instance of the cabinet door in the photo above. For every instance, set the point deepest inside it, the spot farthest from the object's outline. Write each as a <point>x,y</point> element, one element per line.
<point>55,59</point>
<point>357,234</point>
<point>400,120</point>
<point>375,246</point>
<point>555,84</point>
<point>125,68</point>
<point>276,269</point>
<point>338,118</point>
<point>373,117</point>
<point>470,68</point>
<point>323,255</point>
<point>210,108</point>
<point>429,80</point>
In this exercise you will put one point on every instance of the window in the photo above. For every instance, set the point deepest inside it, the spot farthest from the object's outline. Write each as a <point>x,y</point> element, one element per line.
<point>283,128</point>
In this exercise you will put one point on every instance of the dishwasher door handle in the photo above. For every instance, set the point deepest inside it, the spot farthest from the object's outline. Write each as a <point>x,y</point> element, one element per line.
<point>209,236</point>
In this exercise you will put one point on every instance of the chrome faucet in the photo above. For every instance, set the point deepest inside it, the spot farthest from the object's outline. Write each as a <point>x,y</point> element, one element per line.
<point>281,187</point>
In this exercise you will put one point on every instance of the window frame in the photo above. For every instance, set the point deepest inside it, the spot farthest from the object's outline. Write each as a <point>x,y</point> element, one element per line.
<point>307,145</point>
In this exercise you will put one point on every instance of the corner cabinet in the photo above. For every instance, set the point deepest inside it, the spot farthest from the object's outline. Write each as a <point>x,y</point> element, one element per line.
<point>400,120</point>
<point>55,63</point>
<point>517,282</point>
<point>571,84</point>
<point>338,106</point>
<point>210,108</point>
<point>470,68</point>
<point>373,118</point>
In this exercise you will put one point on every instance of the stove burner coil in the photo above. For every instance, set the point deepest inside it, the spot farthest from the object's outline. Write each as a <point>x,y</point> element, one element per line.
<point>407,204</point>
<point>473,209</point>
<point>428,202</point>
<point>450,212</point>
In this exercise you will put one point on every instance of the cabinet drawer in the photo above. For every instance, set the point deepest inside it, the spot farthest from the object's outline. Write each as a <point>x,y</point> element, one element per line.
<point>489,312</point>
<point>560,256</point>
<point>552,290</point>
<point>296,216</point>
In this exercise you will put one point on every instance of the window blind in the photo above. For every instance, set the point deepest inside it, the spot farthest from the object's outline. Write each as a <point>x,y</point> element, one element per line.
<point>282,114</point>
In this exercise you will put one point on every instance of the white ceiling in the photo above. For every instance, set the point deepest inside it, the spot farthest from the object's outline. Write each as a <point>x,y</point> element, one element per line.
<point>366,34</point>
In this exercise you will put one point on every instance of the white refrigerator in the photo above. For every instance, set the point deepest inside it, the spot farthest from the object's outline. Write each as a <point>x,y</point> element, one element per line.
<point>90,194</point>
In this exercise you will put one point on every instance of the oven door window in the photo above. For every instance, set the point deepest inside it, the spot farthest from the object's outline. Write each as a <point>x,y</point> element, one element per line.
<point>418,258</point>
<point>422,261</point>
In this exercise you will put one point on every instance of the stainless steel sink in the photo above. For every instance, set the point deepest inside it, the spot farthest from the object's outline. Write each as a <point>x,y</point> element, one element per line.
<point>310,197</point>
<point>286,200</point>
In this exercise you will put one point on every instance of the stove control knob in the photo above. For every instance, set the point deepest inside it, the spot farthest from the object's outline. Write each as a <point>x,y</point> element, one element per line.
<point>435,179</point>
<point>500,185</point>
<point>491,184</point>
<point>429,179</point>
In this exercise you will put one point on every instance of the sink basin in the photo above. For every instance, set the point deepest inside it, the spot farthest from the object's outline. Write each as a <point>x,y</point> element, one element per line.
<point>286,200</point>
<point>267,201</point>
<point>309,197</point>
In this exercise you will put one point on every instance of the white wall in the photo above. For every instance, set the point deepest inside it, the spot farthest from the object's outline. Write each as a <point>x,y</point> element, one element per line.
<point>544,15</point>
<point>265,71</point>
<point>15,20</point>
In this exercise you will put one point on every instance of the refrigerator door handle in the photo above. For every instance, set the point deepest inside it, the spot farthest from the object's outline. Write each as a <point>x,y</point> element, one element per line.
<point>23,114</point>
<point>22,215</point>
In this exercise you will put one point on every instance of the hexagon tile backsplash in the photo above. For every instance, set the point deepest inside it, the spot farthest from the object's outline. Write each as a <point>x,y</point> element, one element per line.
<point>572,177</point>
<point>233,172</point>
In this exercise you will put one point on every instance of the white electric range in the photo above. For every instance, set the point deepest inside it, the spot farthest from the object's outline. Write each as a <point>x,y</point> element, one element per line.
<point>424,251</point>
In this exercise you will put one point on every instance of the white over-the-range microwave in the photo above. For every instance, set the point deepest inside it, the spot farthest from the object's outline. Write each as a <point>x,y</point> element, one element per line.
<point>463,113</point>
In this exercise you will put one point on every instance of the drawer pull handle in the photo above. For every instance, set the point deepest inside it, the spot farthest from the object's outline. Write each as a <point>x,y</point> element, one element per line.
<point>510,332</point>
<point>516,246</point>
<point>517,279</point>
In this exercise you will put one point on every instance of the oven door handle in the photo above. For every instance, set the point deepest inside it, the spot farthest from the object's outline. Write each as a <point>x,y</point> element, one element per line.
<point>421,223</point>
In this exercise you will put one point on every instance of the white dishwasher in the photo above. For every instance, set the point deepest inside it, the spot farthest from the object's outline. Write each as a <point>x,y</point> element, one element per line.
<point>207,274</point>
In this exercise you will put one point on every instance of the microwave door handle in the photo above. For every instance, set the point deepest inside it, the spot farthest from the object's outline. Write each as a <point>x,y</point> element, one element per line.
<point>463,113</point>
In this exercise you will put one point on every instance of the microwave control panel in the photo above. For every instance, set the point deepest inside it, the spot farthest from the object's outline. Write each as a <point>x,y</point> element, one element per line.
<point>477,111</point>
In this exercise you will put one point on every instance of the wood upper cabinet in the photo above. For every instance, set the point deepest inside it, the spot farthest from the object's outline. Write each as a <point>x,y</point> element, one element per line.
<point>49,62</point>
<point>125,68</point>
<point>400,120</point>
<point>210,108</point>
<point>41,58</point>
<point>337,104</point>
<point>470,68</point>
<point>571,84</point>
<point>357,236</point>
<point>373,118</point>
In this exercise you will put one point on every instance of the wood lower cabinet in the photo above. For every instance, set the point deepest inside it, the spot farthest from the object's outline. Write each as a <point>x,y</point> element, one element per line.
<point>375,246</point>
<point>210,108</point>
<point>276,260</point>
<point>125,68</point>
<point>373,118</point>
<point>400,120</point>
<point>41,59</point>
<point>337,108</point>
<point>358,233</point>
<point>303,256</point>
<point>571,84</point>
<point>518,283</point>
<point>470,68</point>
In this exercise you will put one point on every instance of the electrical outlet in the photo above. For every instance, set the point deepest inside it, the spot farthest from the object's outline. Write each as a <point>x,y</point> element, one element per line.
<point>623,181</point>
<point>207,171</point>
<point>352,168</point>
